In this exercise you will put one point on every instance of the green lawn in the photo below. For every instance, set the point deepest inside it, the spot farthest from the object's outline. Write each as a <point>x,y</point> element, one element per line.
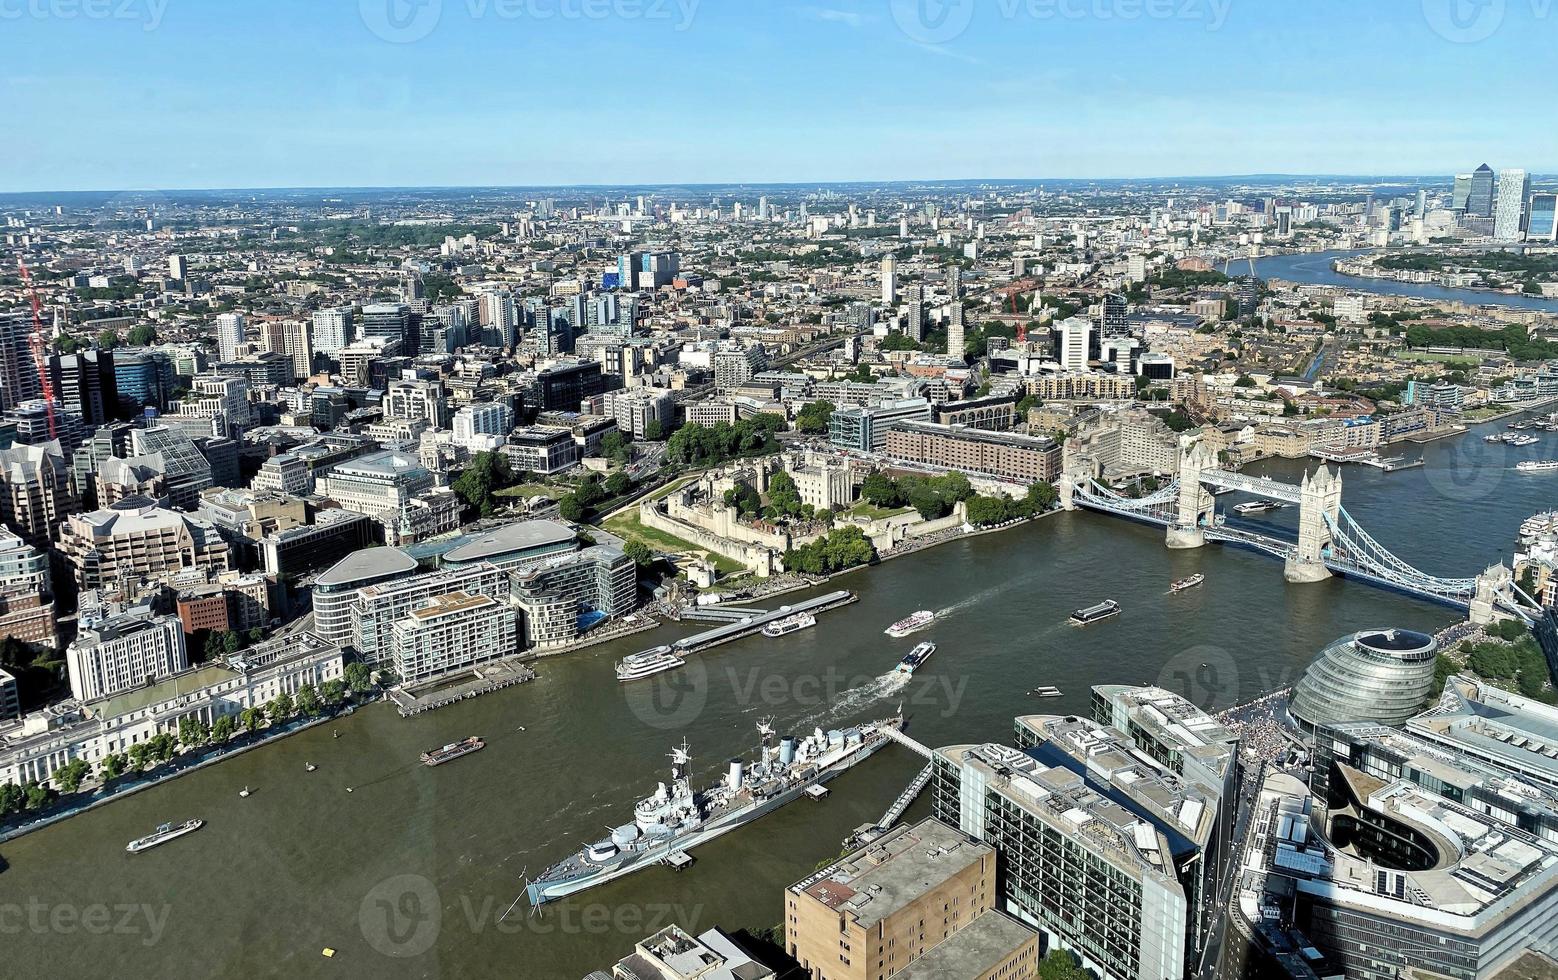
<point>1453,360</point>
<point>528,490</point>
<point>627,526</point>
<point>873,513</point>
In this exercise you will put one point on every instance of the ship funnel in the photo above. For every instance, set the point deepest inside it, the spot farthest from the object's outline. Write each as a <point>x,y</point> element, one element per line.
<point>736,773</point>
<point>787,750</point>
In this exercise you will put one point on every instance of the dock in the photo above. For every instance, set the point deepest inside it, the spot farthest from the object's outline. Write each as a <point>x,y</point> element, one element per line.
<point>867,833</point>
<point>753,620</point>
<point>484,680</point>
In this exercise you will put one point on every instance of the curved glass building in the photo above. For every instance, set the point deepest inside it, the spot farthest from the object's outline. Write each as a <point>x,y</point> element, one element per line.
<point>1380,675</point>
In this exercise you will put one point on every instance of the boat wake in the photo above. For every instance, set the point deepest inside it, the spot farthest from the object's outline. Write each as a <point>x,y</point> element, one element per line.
<point>888,685</point>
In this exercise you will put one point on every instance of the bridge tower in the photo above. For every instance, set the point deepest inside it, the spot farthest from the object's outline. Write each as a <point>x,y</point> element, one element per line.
<point>1495,583</point>
<point>1079,470</point>
<point>1195,504</point>
<point>1319,507</point>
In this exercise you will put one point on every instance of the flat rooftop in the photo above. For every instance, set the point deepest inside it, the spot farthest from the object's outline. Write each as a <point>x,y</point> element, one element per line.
<point>893,871</point>
<point>974,950</point>
<point>447,605</point>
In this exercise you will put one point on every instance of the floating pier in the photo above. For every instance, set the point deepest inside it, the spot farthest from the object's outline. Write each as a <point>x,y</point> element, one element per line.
<point>752,621</point>
<point>485,679</point>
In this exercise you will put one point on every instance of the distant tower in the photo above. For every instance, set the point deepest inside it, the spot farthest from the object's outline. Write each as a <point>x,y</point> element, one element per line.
<point>889,280</point>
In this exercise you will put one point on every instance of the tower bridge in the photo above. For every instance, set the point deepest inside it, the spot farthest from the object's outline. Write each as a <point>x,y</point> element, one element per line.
<point>1329,542</point>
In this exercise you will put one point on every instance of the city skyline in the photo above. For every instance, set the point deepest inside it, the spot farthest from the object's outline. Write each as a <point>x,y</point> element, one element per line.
<point>685,92</point>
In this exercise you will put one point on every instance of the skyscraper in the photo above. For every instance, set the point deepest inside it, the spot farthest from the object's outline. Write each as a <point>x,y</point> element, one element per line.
<point>1462,194</point>
<point>229,335</point>
<point>1514,190</point>
<point>1542,220</point>
<point>178,267</point>
<point>84,385</point>
<point>915,297</point>
<point>290,338</point>
<point>392,321</point>
<point>333,329</point>
<point>889,280</point>
<point>956,345</point>
<point>18,374</point>
<point>1479,202</point>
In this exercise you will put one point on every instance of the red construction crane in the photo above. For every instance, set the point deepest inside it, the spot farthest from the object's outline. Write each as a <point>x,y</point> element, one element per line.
<point>40,348</point>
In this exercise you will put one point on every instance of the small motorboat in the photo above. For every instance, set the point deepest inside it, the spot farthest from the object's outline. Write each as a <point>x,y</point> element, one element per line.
<point>310,767</point>
<point>244,793</point>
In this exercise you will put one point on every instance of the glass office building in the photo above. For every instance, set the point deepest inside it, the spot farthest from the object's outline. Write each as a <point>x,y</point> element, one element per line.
<point>1381,675</point>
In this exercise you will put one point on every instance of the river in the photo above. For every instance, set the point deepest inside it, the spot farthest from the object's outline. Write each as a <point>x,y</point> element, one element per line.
<point>408,875</point>
<point>1315,268</point>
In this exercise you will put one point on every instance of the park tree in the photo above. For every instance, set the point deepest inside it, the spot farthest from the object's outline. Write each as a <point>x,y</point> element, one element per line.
<point>358,677</point>
<point>639,553</point>
<point>113,766</point>
<point>222,729</point>
<point>813,417</point>
<point>570,509</point>
<point>783,496</point>
<point>879,490</point>
<point>72,774</point>
<point>12,799</point>
<point>280,708</point>
<point>616,447</point>
<point>618,484</point>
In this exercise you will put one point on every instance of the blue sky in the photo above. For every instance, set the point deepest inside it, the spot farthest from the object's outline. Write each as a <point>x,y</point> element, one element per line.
<point>280,93</point>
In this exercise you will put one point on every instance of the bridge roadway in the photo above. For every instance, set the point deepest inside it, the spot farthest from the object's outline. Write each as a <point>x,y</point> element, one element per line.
<point>1258,486</point>
<point>1281,549</point>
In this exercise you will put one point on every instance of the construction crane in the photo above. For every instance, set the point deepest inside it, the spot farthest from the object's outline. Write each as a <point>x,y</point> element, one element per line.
<point>39,348</point>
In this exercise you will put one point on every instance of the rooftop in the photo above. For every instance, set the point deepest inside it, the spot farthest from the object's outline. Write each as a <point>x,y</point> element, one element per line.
<point>972,951</point>
<point>893,871</point>
<point>506,541</point>
<point>368,566</point>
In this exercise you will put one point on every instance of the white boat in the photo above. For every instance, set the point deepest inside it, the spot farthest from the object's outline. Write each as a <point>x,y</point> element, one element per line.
<point>1537,466</point>
<point>1258,507</point>
<point>788,625</point>
<point>244,793</point>
<point>637,666</point>
<point>1496,437</point>
<point>1187,583</point>
<point>163,834</point>
<point>911,624</point>
<point>1045,692</point>
<point>915,659</point>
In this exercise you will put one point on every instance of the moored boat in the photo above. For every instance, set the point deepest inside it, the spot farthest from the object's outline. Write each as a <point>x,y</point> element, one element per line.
<point>163,834</point>
<point>676,818</point>
<point>788,625</point>
<point>637,666</point>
